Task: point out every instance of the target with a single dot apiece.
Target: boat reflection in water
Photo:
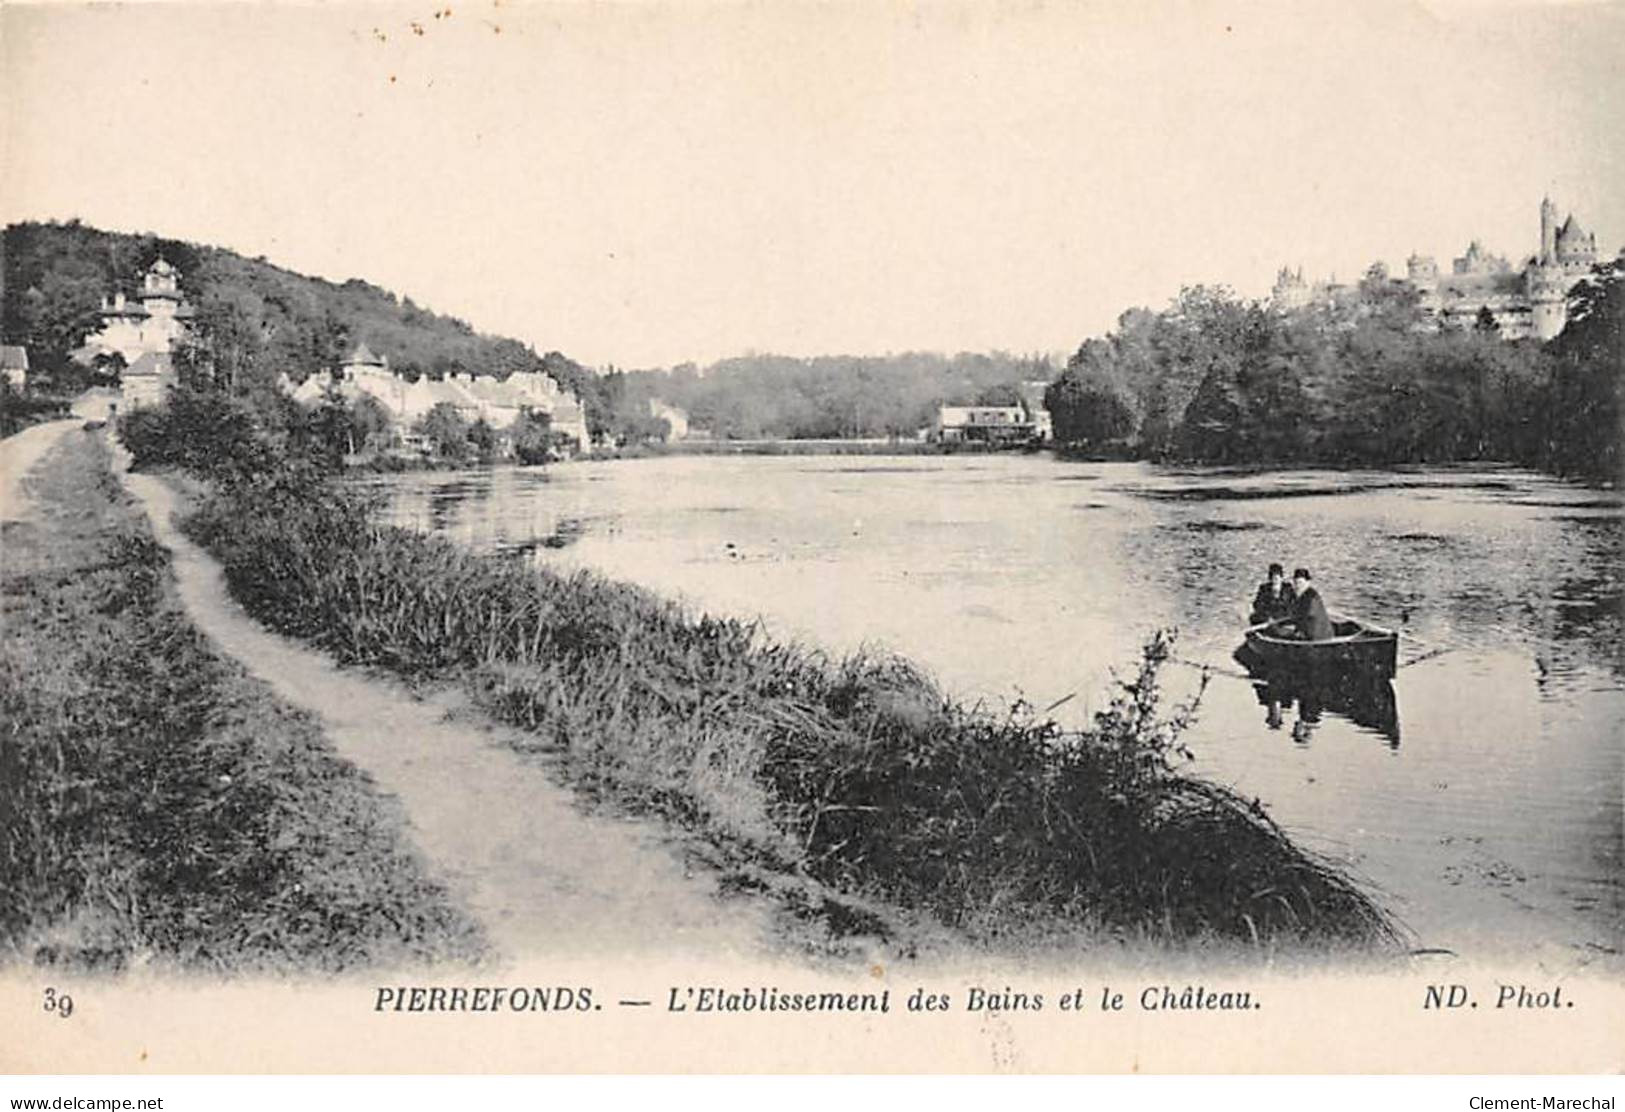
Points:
(1365, 700)
(1350, 674)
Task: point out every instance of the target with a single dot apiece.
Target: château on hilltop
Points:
(1530, 300)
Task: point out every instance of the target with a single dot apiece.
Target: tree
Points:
(446, 431)
(227, 338)
(482, 438)
(1088, 412)
(1586, 412)
(999, 394)
(330, 431)
(645, 430)
(374, 429)
(1214, 424)
(532, 436)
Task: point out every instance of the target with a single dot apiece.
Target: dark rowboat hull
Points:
(1359, 650)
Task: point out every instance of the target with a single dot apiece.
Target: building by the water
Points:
(498, 402)
(1527, 300)
(982, 424)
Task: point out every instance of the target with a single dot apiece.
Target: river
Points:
(1486, 813)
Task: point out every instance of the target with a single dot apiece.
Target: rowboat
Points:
(1358, 649)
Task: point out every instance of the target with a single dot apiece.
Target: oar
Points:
(1433, 648)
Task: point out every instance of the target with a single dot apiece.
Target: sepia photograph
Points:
(854, 537)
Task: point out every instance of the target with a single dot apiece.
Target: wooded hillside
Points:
(254, 319)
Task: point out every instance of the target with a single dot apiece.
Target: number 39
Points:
(59, 1003)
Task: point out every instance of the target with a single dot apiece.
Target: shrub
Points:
(19, 409)
(202, 431)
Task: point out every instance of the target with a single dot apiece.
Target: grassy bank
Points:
(850, 776)
(156, 803)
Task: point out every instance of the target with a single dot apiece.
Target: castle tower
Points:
(1422, 271)
(362, 361)
(1547, 288)
(161, 282)
(161, 298)
(1576, 248)
(1290, 290)
(1548, 232)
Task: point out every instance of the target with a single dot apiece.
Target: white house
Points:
(676, 419)
(982, 424)
(14, 365)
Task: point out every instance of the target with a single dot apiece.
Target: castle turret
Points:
(1547, 289)
(161, 282)
(1422, 271)
(1548, 231)
(1576, 248)
(362, 361)
(1290, 290)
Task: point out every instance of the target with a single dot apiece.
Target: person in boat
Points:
(1310, 622)
(1275, 600)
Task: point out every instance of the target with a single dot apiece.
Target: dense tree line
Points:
(1217, 379)
(829, 397)
(254, 320)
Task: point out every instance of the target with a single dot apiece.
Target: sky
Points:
(646, 184)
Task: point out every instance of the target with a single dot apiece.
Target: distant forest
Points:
(829, 397)
(1216, 379)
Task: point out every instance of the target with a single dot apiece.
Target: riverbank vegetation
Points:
(157, 805)
(852, 787)
(1216, 379)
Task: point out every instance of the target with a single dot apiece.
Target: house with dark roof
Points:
(147, 380)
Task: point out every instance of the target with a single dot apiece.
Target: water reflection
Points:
(1367, 703)
(565, 533)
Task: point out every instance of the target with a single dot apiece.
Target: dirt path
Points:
(18, 455)
(544, 879)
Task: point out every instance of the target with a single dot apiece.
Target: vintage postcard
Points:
(812, 537)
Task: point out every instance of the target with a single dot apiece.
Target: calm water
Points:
(1488, 810)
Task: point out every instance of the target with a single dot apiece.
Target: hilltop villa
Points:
(1530, 300)
(498, 402)
(143, 334)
